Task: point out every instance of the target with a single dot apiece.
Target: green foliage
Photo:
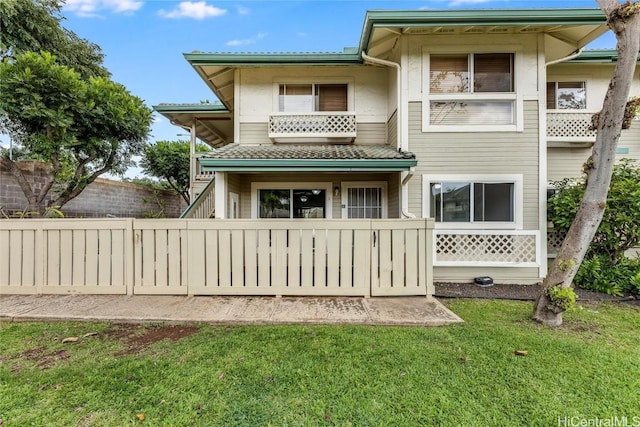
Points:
(562, 298)
(620, 227)
(605, 267)
(169, 160)
(325, 375)
(82, 127)
(598, 273)
(34, 26)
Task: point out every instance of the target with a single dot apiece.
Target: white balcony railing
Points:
(324, 124)
(570, 126)
(199, 173)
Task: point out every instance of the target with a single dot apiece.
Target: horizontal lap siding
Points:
(500, 275)
(477, 153)
(335, 179)
(565, 162)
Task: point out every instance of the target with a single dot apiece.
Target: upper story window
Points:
(471, 73)
(566, 95)
(302, 98)
(470, 92)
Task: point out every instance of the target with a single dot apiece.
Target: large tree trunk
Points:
(624, 20)
(35, 198)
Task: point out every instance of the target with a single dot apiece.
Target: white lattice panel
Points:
(569, 125)
(313, 124)
(478, 248)
(554, 241)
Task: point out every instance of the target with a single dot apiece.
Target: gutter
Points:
(402, 144)
(566, 58)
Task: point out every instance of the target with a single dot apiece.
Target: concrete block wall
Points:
(101, 198)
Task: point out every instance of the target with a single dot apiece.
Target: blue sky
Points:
(143, 41)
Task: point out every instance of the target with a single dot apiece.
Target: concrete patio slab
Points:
(418, 311)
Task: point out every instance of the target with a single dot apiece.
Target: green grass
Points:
(464, 374)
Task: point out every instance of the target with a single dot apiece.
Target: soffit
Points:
(213, 122)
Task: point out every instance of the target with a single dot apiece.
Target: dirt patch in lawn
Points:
(137, 338)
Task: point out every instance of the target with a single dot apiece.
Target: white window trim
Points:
(255, 186)
(516, 96)
(362, 184)
(349, 81)
(569, 80)
(516, 179)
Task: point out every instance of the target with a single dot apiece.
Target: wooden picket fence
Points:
(216, 257)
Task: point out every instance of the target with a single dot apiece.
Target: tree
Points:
(624, 21)
(34, 26)
(82, 128)
(169, 160)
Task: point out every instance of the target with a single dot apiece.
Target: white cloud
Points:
(195, 10)
(243, 10)
(92, 8)
(250, 40)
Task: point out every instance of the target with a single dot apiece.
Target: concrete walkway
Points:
(416, 311)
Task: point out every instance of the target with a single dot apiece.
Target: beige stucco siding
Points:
(565, 162)
(368, 89)
(476, 154)
(596, 78)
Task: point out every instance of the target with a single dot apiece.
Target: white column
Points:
(192, 159)
(221, 195)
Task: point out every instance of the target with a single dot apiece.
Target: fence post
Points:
(129, 255)
(40, 264)
(429, 251)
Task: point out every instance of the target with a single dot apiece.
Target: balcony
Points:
(322, 126)
(569, 126)
(198, 173)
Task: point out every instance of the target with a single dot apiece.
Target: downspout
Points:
(401, 143)
(566, 58)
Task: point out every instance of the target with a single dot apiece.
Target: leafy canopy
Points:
(82, 127)
(169, 160)
(35, 25)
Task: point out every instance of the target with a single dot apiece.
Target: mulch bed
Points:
(511, 291)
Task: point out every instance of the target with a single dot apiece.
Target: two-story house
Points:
(463, 116)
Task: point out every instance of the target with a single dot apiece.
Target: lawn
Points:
(464, 374)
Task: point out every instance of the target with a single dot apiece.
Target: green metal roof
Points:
(191, 108)
(348, 57)
(319, 158)
(598, 56)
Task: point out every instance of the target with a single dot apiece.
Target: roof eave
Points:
(308, 165)
(477, 17)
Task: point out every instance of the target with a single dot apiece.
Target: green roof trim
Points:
(349, 57)
(308, 165)
(477, 17)
(597, 56)
(190, 108)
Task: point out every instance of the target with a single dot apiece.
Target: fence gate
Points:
(400, 258)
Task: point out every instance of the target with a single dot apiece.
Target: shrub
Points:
(599, 274)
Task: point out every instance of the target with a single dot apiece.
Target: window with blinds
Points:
(566, 95)
(313, 97)
(487, 79)
(486, 72)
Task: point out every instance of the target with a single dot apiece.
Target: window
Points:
(291, 200)
(566, 95)
(487, 72)
(484, 201)
(476, 89)
(312, 97)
